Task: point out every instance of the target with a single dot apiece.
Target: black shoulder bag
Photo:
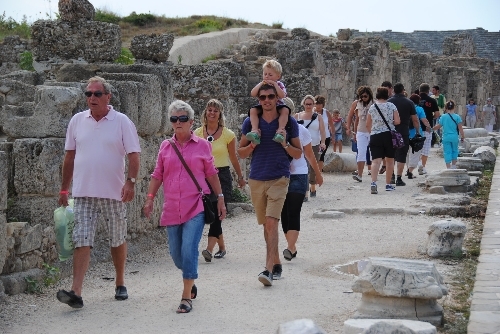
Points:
(454, 122)
(207, 205)
(397, 139)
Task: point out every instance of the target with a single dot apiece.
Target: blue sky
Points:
(324, 17)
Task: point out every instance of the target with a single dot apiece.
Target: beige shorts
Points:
(87, 211)
(268, 197)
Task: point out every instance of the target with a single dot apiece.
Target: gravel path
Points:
(230, 298)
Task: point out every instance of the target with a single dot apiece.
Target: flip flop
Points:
(183, 308)
(207, 255)
(288, 255)
(220, 254)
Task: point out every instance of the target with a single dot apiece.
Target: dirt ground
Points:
(230, 298)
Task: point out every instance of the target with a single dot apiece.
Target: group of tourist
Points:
(287, 152)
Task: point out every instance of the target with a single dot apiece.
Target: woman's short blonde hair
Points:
(307, 97)
(214, 103)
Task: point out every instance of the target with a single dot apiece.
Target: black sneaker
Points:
(400, 182)
(70, 298)
(266, 278)
(121, 293)
(277, 270)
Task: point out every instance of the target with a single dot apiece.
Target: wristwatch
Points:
(131, 179)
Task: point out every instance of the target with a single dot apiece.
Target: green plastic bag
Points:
(64, 219)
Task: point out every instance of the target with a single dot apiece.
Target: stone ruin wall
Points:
(37, 106)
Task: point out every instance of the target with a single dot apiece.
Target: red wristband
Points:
(64, 192)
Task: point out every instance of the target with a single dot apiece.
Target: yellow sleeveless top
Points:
(219, 146)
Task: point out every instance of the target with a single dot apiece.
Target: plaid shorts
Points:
(87, 211)
(427, 143)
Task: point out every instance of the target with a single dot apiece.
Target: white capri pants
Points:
(363, 139)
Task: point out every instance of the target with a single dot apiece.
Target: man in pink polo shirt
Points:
(97, 141)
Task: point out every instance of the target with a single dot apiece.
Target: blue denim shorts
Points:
(298, 183)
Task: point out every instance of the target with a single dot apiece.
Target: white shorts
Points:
(363, 140)
(427, 144)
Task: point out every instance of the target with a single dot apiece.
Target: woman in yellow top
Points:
(223, 143)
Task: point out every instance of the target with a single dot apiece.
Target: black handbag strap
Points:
(381, 115)
(313, 117)
(185, 165)
(454, 121)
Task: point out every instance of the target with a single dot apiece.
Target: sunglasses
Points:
(96, 93)
(182, 119)
(270, 97)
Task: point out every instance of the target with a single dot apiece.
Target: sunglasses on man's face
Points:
(270, 97)
(182, 119)
(96, 94)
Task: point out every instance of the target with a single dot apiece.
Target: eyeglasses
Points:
(270, 97)
(364, 96)
(182, 119)
(96, 94)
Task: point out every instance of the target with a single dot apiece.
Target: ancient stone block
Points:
(34, 209)
(26, 77)
(445, 237)
(76, 10)
(148, 100)
(470, 164)
(300, 33)
(152, 47)
(340, 162)
(38, 165)
(379, 326)
(53, 108)
(77, 72)
(15, 284)
(302, 326)
(397, 288)
(30, 240)
(447, 177)
(11, 49)
(4, 180)
(15, 92)
(459, 45)
(487, 155)
(91, 40)
(3, 241)
(393, 277)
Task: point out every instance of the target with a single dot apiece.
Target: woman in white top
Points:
(328, 122)
(316, 128)
(380, 136)
(297, 188)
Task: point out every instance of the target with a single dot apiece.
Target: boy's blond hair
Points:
(273, 64)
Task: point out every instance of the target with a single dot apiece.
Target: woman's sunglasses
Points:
(182, 119)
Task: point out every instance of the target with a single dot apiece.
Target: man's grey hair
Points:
(179, 105)
(102, 81)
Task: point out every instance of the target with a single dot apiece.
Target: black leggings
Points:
(290, 214)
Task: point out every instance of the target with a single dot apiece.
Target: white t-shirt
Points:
(299, 166)
(101, 147)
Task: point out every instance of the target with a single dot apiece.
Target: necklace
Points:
(210, 137)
